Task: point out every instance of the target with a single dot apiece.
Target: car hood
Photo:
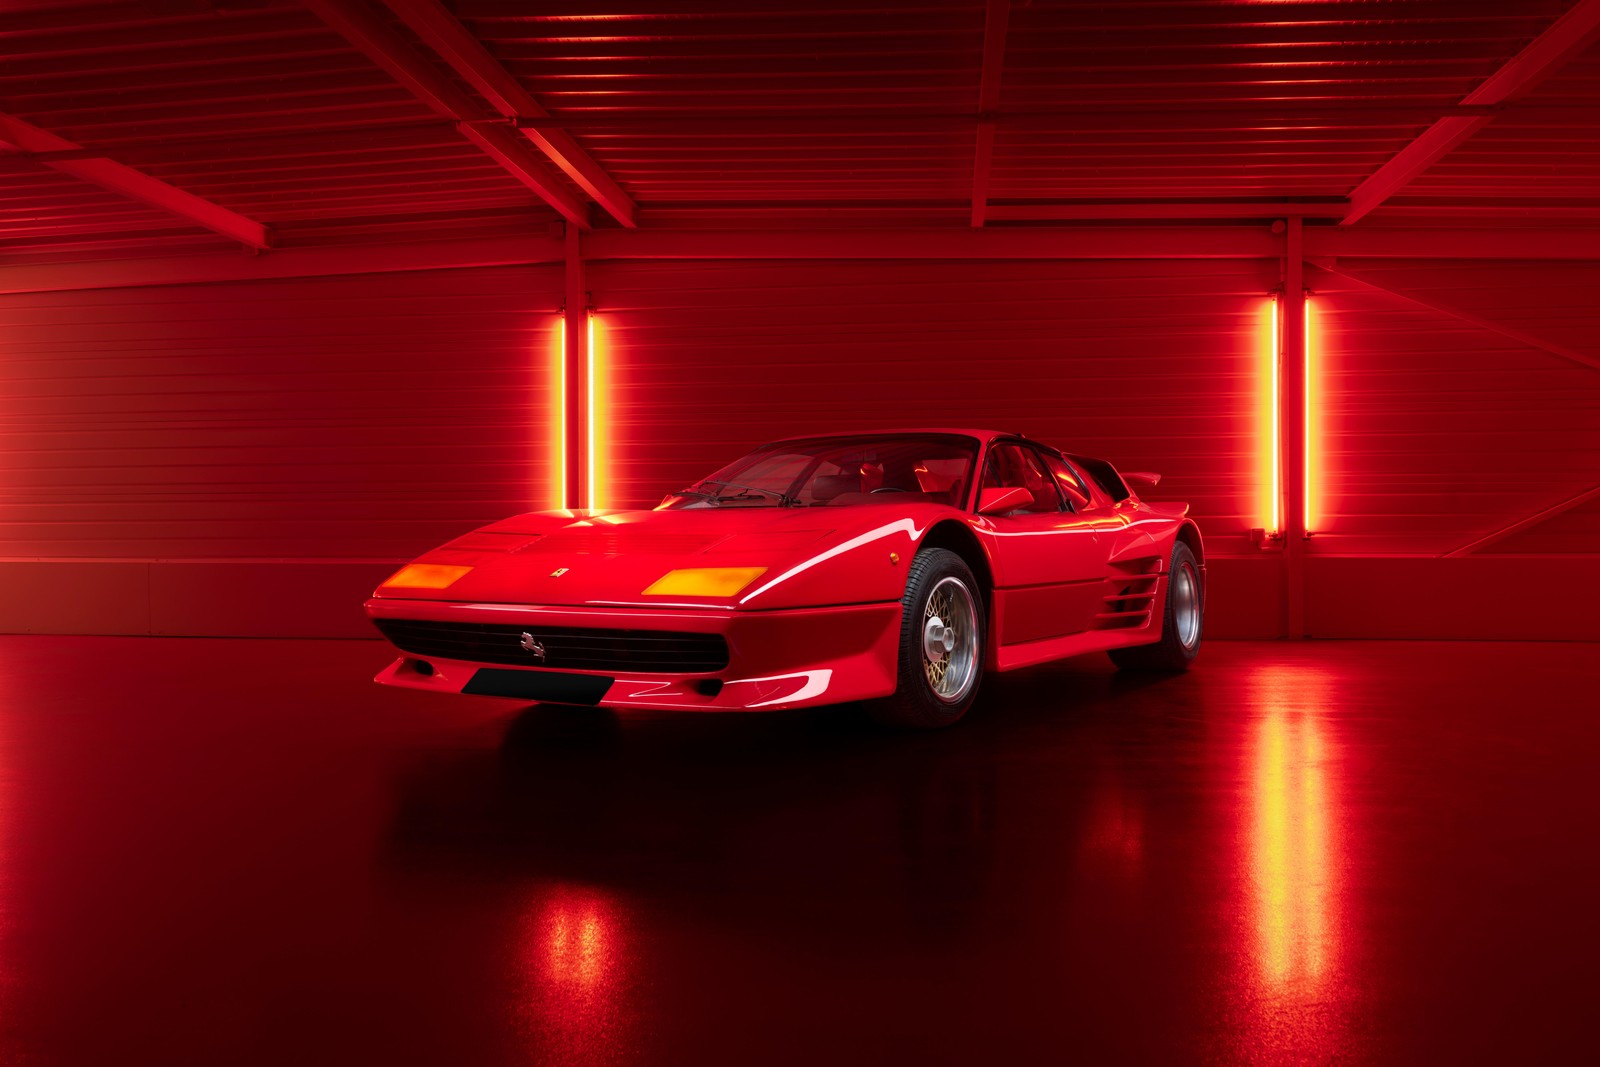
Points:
(609, 558)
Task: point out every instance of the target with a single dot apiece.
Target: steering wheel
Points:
(888, 489)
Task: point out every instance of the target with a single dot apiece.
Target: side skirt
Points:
(1013, 657)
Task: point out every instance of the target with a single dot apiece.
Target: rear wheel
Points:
(1181, 622)
(941, 644)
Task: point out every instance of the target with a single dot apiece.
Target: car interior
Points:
(863, 479)
(1010, 466)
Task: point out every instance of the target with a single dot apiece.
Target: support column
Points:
(575, 402)
(1292, 419)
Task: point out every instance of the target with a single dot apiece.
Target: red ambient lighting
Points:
(1269, 411)
(1313, 432)
(1270, 507)
(593, 461)
(557, 449)
(581, 402)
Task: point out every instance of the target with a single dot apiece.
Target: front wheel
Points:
(1181, 622)
(941, 644)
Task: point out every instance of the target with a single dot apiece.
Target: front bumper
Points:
(776, 659)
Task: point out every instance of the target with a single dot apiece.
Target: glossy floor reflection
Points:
(243, 852)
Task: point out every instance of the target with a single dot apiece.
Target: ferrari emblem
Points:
(532, 644)
(558, 572)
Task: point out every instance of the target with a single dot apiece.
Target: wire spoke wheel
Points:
(939, 658)
(950, 640)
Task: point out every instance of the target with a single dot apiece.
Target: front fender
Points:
(864, 562)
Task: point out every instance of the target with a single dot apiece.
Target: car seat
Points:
(826, 487)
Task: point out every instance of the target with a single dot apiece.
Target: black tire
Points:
(1171, 653)
(916, 704)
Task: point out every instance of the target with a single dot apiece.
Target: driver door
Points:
(1049, 565)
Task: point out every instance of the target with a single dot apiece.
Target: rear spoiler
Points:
(1120, 485)
(1139, 481)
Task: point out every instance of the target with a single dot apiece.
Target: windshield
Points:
(839, 472)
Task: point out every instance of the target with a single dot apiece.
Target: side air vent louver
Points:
(1134, 593)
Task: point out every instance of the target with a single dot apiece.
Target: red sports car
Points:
(893, 568)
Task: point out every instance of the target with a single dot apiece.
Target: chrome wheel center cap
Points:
(938, 640)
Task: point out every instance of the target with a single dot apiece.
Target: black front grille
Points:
(566, 648)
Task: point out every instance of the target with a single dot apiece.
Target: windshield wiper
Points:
(782, 498)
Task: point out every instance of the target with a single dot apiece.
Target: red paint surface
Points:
(821, 624)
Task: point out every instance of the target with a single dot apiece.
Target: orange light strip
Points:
(1270, 474)
(558, 402)
(1277, 419)
(704, 581)
(592, 457)
(1313, 433)
(424, 576)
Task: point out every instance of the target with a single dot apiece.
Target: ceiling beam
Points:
(60, 154)
(996, 18)
(374, 38)
(1543, 56)
(1025, 243)
(1425, 242)
(1113, 210)
(284, 263)
(1096, 242)
(442, 32)
(1093, 242)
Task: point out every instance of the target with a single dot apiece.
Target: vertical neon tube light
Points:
(585, 409)
(559, 403)
(1313, 432)
(1277, 419)
(591, 458)
(1270, 471)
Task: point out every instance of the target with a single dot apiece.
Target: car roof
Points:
(980, 435)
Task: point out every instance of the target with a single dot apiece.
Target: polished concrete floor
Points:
(229, 851)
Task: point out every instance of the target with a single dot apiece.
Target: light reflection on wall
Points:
(574, 962)
(1292, 860)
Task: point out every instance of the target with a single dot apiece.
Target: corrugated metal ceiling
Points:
(832, 111)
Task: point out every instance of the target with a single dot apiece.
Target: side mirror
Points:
(998, 501)
(1140, 481)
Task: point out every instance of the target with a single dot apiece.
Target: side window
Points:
(1106, 475)
(1072, 488)
(1012, 466)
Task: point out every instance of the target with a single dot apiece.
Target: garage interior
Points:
(292, 291)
